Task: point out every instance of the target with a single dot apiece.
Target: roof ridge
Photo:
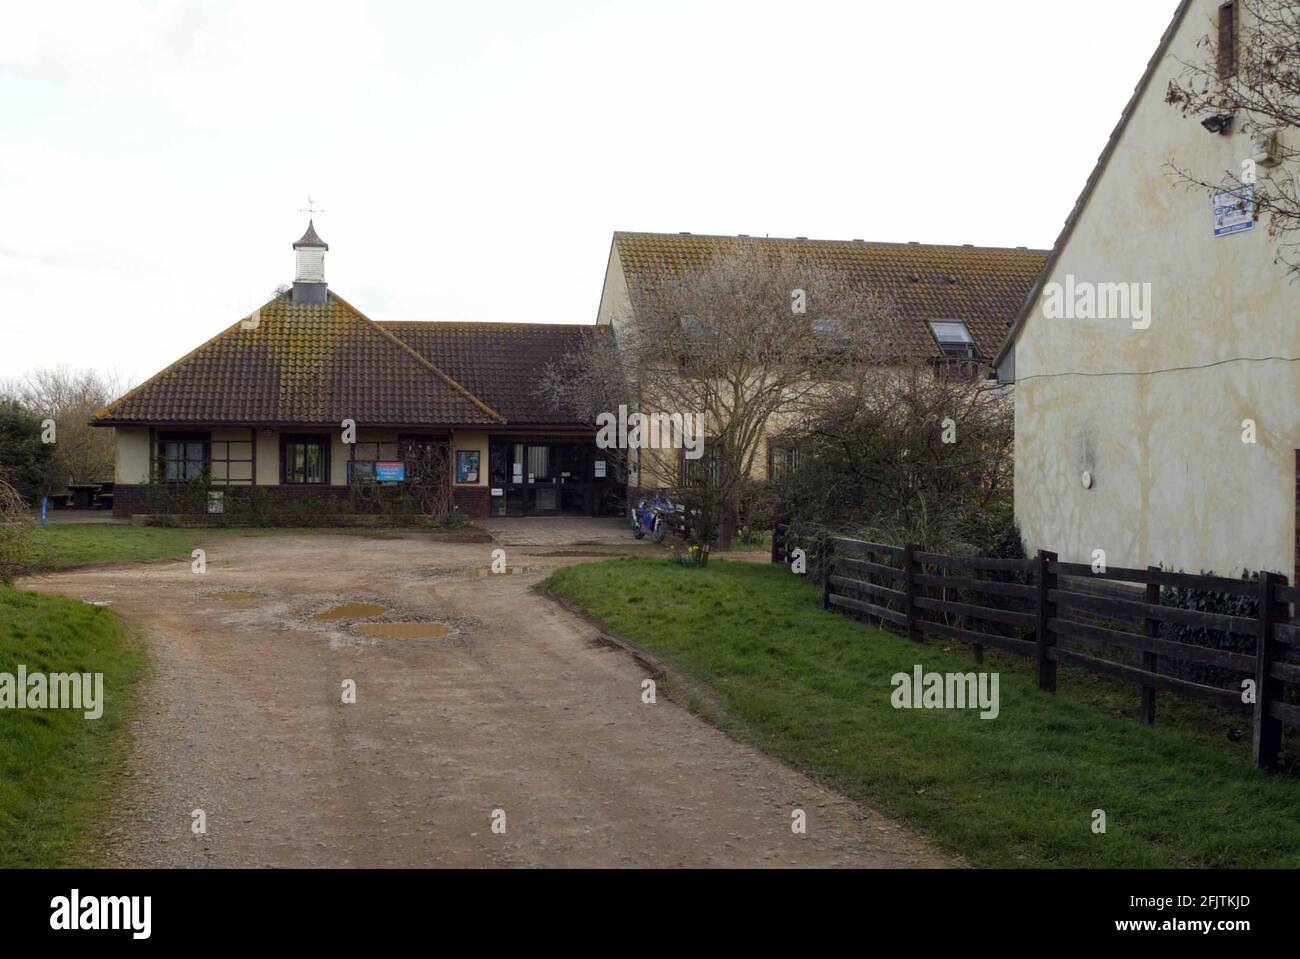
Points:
(904, 244)
(422, 359)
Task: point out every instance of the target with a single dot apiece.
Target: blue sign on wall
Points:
(390, 472)
(1234, 211)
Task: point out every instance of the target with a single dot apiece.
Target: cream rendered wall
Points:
(615, 301)
(131, 462)
(268, 457)
(1173, 482)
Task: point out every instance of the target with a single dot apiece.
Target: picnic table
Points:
(83, 494)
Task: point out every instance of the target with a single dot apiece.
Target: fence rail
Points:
(1041, 608)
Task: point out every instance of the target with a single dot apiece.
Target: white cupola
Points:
(309, 268)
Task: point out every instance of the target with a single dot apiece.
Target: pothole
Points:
(415, 630)
(352, 611)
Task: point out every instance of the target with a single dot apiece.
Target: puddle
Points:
(233, 597)
(508, 571)
(404, 630)
(352, 611)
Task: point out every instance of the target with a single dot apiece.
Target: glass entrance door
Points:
(544, 477)
(543, 492)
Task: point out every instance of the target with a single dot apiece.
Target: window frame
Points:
(688, 470)
(788, 455)
(1227, 52)
(296, 439)
(184, 438)
(228, 460)
(953, 349)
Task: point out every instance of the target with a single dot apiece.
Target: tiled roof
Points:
(302, 364)
(984, 286)
(500, 363)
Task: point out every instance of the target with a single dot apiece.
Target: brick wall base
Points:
(473, 501)
(129, 500)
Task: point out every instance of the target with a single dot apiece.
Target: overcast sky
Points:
(472, 159)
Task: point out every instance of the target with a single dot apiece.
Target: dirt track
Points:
(517, 709)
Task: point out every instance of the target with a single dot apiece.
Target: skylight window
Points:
(953, 337)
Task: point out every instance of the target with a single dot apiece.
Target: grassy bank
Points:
(67, 546)
(56, 766)
(749, 646)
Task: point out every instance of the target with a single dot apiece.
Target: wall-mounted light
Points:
(1218, 123)
(1087, 479)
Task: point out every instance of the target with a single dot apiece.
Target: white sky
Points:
(473, 159)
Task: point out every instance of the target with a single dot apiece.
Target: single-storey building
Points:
(308, 397)
(1157, 363)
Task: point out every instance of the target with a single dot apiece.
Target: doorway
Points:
(545, 477)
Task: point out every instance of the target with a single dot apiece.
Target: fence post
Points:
(1150, 661)
(1046, 580)
(828, 567)
(776, 533)
(1267, 737)
(909, 587)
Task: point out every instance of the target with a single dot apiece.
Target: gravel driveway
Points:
(518, 708)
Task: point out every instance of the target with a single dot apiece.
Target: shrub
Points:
(17, 546)
(24, 459)
(1208, 601)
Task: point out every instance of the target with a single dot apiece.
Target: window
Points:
(539, 464)
(361, 467)
(181, 457)
(701, 472)
(954, 338)
(1227, 46)
(231, 462)
(304, 459)
(783, 461)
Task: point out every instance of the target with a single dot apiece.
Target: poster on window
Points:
(467, 466)
(600, 469)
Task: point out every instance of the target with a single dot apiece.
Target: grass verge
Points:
(56, 766)
(70, 545)
(74, 545)
(749, 647)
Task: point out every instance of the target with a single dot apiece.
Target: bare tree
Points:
(742, 340)
(82, 453)
(17, 548)
(1249, 77)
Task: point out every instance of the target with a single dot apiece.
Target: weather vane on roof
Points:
(310, 208)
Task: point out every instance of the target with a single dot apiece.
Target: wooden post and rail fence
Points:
(1043, 608)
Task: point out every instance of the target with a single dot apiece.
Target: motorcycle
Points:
(649, 519)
